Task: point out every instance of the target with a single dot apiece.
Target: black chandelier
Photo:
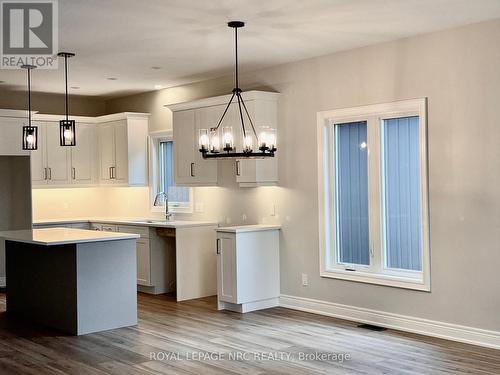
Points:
(30, 132)
(212, 145)
(67, 131)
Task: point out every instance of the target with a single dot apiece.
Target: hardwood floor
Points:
(196, 328)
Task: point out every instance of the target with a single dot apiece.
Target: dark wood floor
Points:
(173, 331)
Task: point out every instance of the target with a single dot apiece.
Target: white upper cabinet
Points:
(11, 125)
(191, 169)
(123, 149)
(53, 165)
(82, 155)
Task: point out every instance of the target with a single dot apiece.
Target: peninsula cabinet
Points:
(188, 117)
(248, 276)
(123, 149)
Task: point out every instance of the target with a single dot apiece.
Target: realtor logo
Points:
(29, 33)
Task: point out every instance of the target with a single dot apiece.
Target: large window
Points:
(162, 177)
(373, 195)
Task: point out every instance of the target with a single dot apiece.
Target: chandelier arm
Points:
(241, 116)
(225, 111)
(248, 115)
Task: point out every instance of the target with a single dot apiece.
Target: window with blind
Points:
(373, 200)
(177, 196)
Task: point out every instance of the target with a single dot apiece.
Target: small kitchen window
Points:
(162, 176)
(373, 194)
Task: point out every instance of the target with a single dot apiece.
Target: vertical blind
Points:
(167, 184)
(351, 193)
(401, 190)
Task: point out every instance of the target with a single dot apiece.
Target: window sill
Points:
(377, 279)
(174, 210)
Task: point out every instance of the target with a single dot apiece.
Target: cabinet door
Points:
(205, 171)
(143, 262)
(38, 162)
(106, 150)
(226, 268)
(10, 139)
(184, 145)
(58, 157)
(82, 155)
(120, 173)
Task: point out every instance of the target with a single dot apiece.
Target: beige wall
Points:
(51, 103)
(458, 70)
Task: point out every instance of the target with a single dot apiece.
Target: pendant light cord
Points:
(29, 97)
(66, 79)
(236, 54)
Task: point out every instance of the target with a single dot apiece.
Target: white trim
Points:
(16, 113)
(2, 282)
(375, 273)
(57, 118)
(120, 116)
(455, 332)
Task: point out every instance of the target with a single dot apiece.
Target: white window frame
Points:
(154, 177)
(376, 272)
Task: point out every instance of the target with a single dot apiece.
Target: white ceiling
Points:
(189, 39)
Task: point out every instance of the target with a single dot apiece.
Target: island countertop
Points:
(63, 236)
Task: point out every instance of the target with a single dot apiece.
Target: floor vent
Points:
(372, 327)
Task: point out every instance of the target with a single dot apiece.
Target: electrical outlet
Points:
(305, 279)
(244, 217)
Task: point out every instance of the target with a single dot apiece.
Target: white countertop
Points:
(248, 228)
(149, 222)
(63, 236)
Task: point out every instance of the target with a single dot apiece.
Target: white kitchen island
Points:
(78, 281)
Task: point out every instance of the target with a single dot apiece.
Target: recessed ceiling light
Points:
(112, 78)
(158, 87)
(156, 67)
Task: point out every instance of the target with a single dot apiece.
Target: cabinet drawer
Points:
(142, 231)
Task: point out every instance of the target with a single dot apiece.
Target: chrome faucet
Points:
(160, 200)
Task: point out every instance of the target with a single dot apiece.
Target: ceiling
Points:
(143, 44)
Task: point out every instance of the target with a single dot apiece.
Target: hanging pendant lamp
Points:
(67, 130)
(212, 144)
(30, 132)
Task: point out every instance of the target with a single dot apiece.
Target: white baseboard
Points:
(455, 332)
(2, 282)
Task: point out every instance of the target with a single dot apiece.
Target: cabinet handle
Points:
(238, 171)
(50, 173)
(73, 173)
(218, 245)
(192, 169)
(45, 173)
(113, 174)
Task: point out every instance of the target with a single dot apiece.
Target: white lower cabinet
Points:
(143, 262)
(248, 275)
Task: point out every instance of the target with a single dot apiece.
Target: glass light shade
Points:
(227, 138)
(263, 138)
(247, 143)
(67, 132)
(30, 137)
(214, 141)
(271, 139)
(203, 140)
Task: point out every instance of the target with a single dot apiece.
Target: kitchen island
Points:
(77, 281)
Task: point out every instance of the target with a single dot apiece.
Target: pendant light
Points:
(67, 131)
(30, 132)
(213, 144)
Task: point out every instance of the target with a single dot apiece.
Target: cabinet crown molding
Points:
(16, 113)
(223, 99)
